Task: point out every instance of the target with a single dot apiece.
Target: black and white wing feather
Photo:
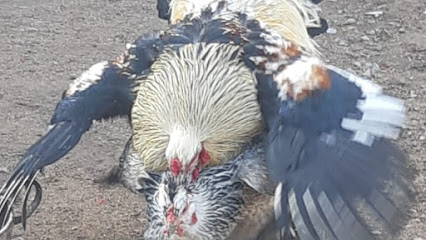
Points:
(328, 147)
(103, 91)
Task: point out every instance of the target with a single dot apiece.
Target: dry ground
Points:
(45, 43)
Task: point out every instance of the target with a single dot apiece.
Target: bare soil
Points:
(45, 43)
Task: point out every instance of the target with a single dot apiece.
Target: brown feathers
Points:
(256, 215)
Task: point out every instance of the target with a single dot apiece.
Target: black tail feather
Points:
(51, 147)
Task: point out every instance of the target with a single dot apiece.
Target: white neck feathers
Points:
(184, 144)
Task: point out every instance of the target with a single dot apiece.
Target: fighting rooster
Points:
(200, 92)
(168, 130)
(234, 201)
(212, 206)
(326, 130)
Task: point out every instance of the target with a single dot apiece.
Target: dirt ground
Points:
(45, 43)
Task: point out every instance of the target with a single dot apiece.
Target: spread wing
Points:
(103, 91)
(343, 180)
(328, 147)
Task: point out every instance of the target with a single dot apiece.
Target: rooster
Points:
(200, 92)
(127, 87)
(210, 207)
(325, 145)
(235, 201)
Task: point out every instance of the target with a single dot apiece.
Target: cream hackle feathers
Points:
(199, 96)
(287, 18)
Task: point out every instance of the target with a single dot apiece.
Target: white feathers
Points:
(87, 78)
(295, 71)
(297, 77)
(287, 18)
(184, 143)
(50, 127)
(294, 78)
(365, 131)
(382, 108)
(383, 116)
(277, 201)
(163, 197)
(130, 46)
(180, 199)
(309, 12)
(367, 87)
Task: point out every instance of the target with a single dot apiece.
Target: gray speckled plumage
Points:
(229, 200)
